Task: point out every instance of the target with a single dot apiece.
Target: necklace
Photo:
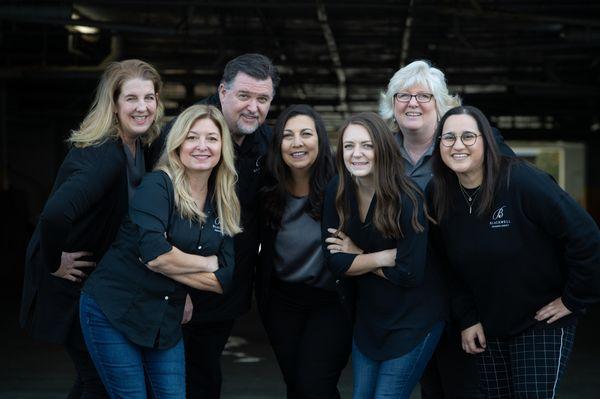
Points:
(469, 198)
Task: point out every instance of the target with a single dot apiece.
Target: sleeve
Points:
(554, 211)
(226, 264)
(337, 263)
(95, 170)
(150, 211)
(411, 250)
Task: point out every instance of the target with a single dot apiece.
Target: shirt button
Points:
(199, 246)
(166, 297)
(337, 281)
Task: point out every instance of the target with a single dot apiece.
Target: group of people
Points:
(423, 248)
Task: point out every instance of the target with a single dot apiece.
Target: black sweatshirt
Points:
(537, 245)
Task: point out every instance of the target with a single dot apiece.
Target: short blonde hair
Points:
(225, 178)
(101, 123)
(422, 73)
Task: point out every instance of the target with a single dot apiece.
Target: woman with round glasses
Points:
(524, 257)
(413, 103)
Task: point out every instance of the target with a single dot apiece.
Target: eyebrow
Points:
(464, 131)
(242, 91)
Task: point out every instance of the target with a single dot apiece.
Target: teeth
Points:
(459, 156)
(413, 114)
(298, 154)
(139, 118)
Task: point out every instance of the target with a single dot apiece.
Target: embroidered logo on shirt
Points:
(257, 164)
(216, 226)
(498, 218)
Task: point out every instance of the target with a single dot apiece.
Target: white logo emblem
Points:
(217, 225)
(257, 164)
(498, 219)
(498, 213)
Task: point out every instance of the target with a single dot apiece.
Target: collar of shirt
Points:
(428, 153)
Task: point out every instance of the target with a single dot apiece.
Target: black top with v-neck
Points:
(393, 314)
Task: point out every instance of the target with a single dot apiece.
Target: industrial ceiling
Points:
(533, 66)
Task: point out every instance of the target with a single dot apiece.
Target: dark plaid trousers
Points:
(527, 366)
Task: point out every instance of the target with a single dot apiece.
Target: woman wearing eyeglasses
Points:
(524, 257)
(413, 103)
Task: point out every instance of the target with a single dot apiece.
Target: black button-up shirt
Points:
(145, 306)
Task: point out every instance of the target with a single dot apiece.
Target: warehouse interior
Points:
(532, 66)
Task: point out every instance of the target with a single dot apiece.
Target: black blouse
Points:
(393, 314)
(145, 306)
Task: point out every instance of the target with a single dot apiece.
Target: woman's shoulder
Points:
(522, 174)
(109, 150)
(157, 177)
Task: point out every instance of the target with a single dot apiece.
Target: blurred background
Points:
(532, 66)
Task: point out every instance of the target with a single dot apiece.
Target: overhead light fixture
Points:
(83, 29)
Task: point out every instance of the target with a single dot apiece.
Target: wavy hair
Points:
(444, 177)
(100, 124)
(320, 172)
(391, 184)
(422, 73)
(222, 180)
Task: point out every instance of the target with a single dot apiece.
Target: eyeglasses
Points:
(467, 138)
(406, 97)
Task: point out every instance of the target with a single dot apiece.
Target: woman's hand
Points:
(473, 339)
(187, 310)
(340, 242)
(552, 311)
(387, 257)
(69, 263)
(212, 263)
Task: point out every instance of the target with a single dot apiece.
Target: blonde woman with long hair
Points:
(86, 207)
(179, 234)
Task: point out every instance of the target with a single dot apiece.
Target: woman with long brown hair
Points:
(378, 227)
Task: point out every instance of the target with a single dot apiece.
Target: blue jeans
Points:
(393, 378)
(127, 369)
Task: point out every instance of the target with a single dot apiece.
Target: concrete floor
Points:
(33, 370)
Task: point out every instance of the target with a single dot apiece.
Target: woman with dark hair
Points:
(308, 329)
(399, 306)
(178, 234)
(86, 207)
(522, 254)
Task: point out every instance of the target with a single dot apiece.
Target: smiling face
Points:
(414, 117)
(465, 161)
(299, 143)
(359, 153)
(136, 107)
(246, 103)
(201, 149)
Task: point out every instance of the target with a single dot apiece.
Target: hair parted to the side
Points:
(100, 124)
(444, 177)
(422, 73)
(391, 184)
(222, 179)
(257, 66)
(320, 172)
